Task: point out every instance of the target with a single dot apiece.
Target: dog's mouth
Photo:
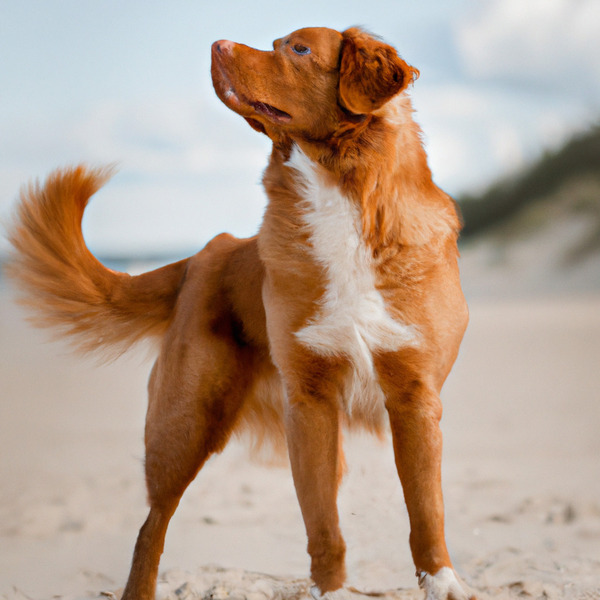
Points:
(236, 101)
(239, 102)
(271, 112)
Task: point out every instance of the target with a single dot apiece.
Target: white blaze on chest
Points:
(352, 319)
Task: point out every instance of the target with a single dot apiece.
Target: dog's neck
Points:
(380, 164)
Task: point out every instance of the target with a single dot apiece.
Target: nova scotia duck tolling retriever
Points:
(345, 310)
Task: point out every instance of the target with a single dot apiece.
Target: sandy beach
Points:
(521, 474)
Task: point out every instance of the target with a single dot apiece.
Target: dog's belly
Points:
(352, 319)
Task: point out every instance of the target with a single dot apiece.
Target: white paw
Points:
(340, 594)
(444, 585)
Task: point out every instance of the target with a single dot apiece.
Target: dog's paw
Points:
(444, 585)
(340, 594)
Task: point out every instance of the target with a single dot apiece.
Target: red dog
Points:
(345, 307)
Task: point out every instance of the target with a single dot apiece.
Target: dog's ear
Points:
(371, 72)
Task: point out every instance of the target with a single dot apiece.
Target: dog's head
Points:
(313, 81)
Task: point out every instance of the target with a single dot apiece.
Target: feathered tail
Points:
(67, 286)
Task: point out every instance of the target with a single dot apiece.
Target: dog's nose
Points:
(223, 46)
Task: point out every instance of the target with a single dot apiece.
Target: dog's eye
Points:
(300, 49)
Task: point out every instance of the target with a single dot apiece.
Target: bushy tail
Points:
(67, 286)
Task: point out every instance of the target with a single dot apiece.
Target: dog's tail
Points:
(68, 287)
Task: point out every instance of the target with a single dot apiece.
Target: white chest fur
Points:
(352, 319)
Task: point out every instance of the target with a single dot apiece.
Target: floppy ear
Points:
(371, 72)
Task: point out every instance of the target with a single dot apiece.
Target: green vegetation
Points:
(569, 176)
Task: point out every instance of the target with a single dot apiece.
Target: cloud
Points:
(548, 43)
(467, 143)
(530, 78)
(479, 132)
(185, 171)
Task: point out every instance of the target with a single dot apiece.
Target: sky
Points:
(128, 82)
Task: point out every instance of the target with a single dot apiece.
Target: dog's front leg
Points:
(314, 447)
(417, 438)
(415, 410)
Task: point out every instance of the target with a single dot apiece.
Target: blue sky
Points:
(129, 82)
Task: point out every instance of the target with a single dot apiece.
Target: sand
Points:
(521, 475)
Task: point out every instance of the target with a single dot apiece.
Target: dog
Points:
(344, 310)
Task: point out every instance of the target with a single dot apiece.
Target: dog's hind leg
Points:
(196, 390)
(183, 429)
